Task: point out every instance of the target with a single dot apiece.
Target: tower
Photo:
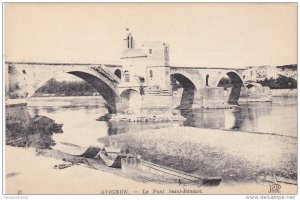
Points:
(130, 43)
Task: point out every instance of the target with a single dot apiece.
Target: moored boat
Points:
(90, 152)
(139, 167)
(111, 158)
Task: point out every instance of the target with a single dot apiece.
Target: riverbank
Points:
(28, 173)
(235, 156)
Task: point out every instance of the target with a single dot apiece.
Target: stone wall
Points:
(146, 104)
(212, 96)
(153, 104)
(255, 94)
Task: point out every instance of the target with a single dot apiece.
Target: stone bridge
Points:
(24, 79)
(200, 85)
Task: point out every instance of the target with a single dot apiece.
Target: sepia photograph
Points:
(150, 99)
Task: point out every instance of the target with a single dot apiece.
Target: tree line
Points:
(82, 88)
(64, 88)
(281, 82)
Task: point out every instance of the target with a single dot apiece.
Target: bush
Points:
(281, 82)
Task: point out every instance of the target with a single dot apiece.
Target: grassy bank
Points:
(236, 156)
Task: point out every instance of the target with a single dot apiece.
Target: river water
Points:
(81, 127)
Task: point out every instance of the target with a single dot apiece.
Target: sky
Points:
(199, 34)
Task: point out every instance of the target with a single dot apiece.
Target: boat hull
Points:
(145, 169)
(112, 159)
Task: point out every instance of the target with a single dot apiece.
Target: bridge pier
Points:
(145, 104)
(213, 97)
(197, 100)
(207, 97)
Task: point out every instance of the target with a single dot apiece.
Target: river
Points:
(81, 127)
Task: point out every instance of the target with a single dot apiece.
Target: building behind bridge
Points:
(146, 66)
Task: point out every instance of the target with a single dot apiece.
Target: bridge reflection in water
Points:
(243, 117)
(125, 127)
(278, 117)
(81, 127)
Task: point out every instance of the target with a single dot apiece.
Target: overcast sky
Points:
(209, 35)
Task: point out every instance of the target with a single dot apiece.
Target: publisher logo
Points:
(274, 188)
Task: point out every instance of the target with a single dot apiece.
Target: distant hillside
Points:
(292, 67)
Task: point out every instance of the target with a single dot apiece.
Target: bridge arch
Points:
(190, 90)
(106, 88)
(236, 83)
(118, 73)
(130, 98)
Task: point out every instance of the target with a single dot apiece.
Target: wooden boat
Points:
(90, 152)
(111, 158)
(77, 151)
(139, 167)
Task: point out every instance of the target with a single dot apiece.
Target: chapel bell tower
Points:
(130, 44)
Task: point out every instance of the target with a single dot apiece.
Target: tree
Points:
(281, 82)
(66, 88)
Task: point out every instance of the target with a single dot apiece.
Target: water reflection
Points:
(244, 117)
(240, 118)
(252, 117)
(285, 100)
(279, 117)
(123, 127)
(82, 128)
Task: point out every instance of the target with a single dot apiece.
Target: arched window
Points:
(142, 79)
(126, 76)
(150, 51)
(151, 73)
(118, 73)
(207, 76)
